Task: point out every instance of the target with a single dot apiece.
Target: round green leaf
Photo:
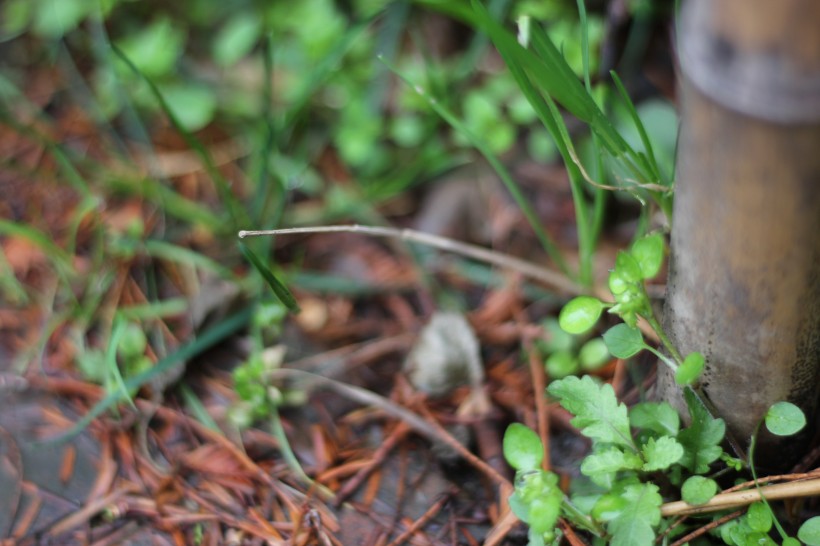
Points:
(544, 513)
(698, 490)
(194, 106)
(809, 532)
(155, 48)
(628, 268)
(608, 507)
(556, 338)
(688, 372)
(133, 342)
(593, 354)
(522, 447)
(785, 419)
(580, 314)
(236, 38)
(561, 364)
(759, 517)
(648, 252)
(790, 541)
(624, 341)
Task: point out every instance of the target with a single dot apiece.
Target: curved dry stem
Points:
(549, 277)
(429, 429)
(736, 499)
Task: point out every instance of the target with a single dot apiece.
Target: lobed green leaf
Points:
(701, 440)
(601, 466)
(597, 412)
(659, 417)
(634, 526)
(661, 453)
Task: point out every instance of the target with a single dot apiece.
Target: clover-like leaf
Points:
(785, 419)
(623, 341)
(698, 490)
(580, 314)
(522, 447)
(561, 364)
(597, 412)
(593, 354)
(689, 372)
(661, 453)
(809, 532)
(628, 268)
(648, 252)
(759, 517)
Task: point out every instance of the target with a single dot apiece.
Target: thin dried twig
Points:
(708, 527)
(429, 429)
(635, 183)
(541, 408)
(539, 273)
(429, 514)
(735, 499)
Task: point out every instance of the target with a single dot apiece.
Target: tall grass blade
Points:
(529, 213)
(111, 362)
(633, 112)
(235, 210)
(279, 289)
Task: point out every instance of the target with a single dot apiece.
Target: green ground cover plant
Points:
(145, 65)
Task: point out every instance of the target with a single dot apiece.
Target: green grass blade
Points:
(265, 182)
(187, 351)
(198, 410)
(154, 310)
(111, 362)
(546, 241)
(235, 210)
(279, 289)
(319, 75)
(57, 255)
(633, 112)
(181, 255)
(582, 18)
(168, 200)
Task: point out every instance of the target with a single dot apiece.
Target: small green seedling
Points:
(537, 497)
(631, 302)
(630, 450)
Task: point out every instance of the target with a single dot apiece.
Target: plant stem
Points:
(752, 445)
(582, 520)
(665, 359)
(549, 277)
(290, 457)
(662, 336)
